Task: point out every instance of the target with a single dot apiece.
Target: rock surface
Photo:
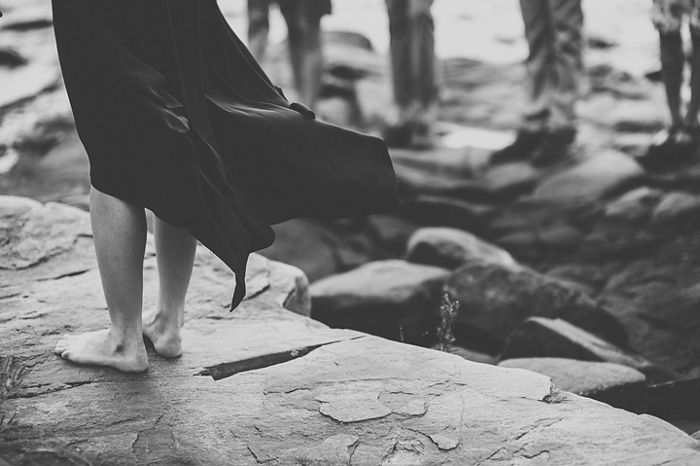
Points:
(393, 299)
(450, 248)
(496, 299)
(541, 337)
(265, 385)
(617, 385)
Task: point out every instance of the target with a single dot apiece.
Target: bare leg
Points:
(175, 249)
(672, 63)
(119, 231)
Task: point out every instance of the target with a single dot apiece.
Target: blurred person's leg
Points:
(303, 19)
(672, 64)
(691, 117)
(424, 71)
(671, 144)
(567, 21)
(413, 67)
(258, 27)
(540, 82)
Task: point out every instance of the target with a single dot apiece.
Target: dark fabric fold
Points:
(176, 116)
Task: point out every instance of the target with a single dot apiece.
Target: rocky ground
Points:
(591, 263)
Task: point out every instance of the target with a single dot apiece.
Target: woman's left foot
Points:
(164, 333)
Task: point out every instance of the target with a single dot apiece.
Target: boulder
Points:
(449, 211)
(676, 208)
(617, 385)
(390, 231)
(450, 248)
(540, 337)
(393, 299)
(655, 297)
(634, 208)
(496, 300)
(265, 385)
(508, 181)
(677, 399)
(592, 180)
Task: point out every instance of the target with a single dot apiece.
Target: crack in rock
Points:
(336, 450)
(54, 389)
(65, 275)
(227, 369)
(443, 442)
(403, 453)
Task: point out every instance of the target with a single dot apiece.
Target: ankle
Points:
(125, 341)
(173, 315)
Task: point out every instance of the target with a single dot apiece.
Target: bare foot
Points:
(102, 349)
(163, 329)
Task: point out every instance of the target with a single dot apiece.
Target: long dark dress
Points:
(176, 116)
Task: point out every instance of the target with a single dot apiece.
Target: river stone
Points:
(449, 211)
(591, 180)
(617, 385)
(677, 399)
(540, 337)
(393, 298)
(633, 208)
(496, 300)
(450, 248)
(676, 207)
(252, 387)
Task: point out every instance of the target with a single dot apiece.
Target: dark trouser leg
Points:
(258, 27)
(691, 117)
(304, 34)
(567, 19)
(672, 62)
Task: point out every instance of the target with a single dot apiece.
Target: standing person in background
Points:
(553, 29)
(303, 18)
(413, 62)
(676, 143)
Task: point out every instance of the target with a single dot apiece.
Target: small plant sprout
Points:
(448, 313)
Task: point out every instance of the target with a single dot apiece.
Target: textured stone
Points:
(496, 300)
(397, 403)
(656, 299)
(633, 208)
(540, 337)
(450, 248)
(442, 210)
(676, 399)
(394, 299)
(617, 385)
(591, 180)
(676, 207)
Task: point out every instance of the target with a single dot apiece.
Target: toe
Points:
(60, 347)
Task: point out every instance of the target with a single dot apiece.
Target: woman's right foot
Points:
(101, 348)
(164, 332)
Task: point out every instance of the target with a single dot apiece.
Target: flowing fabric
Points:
(176, 116)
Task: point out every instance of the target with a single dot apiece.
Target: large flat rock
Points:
(263, 385)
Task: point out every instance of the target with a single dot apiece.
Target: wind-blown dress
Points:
(177, 116)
